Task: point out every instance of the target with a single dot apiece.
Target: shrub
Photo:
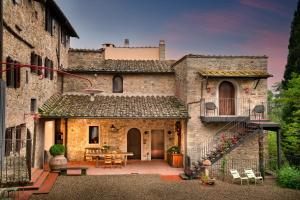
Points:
(57, 149)
(173, 149)
(289, 177)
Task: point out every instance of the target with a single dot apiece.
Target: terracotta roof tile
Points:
(127, 66)
(80, 106)
(236, 73)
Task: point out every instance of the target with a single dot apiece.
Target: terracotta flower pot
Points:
(57, 162)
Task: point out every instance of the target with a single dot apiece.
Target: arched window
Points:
(117, 84)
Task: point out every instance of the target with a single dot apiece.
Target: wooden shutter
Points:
(46, 63)
(17, 75)
(9, 72)
(34, 61)
(40, 64)
(51, 72)
(8, 141)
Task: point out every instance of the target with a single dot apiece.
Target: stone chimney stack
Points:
(126, 43)
(162, 50)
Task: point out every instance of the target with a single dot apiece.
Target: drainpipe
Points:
(2, 89)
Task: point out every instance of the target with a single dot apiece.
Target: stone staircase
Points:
(227, 139)
(41, 183)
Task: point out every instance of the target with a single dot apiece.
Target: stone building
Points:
(36, 33)
(147, 103)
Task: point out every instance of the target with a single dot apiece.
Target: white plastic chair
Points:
(236, 176)
(255, 176)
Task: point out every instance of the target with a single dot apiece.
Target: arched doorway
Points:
(134, 143)
(226, 98)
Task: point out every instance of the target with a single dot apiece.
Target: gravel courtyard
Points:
(140, 187)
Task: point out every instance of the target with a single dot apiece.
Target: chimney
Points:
(126, 42)
(105, 45)
(162, 50)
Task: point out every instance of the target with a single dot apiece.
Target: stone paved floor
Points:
(152, 187)
(132, 167)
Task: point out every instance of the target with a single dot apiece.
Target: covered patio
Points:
(144, 127)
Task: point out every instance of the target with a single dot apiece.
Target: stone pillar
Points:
(261, 153)
(278, 148)
(162, 50)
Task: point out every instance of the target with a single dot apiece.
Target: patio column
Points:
(278, 132)
(261, 152)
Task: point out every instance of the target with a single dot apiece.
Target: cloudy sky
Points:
(218, 27)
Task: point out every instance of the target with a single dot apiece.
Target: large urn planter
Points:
(174, 158)
(58, 159)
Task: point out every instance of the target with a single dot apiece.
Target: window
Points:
(13, 74)
(32, 105)
(117, 84)
(94, 135)
(16, 1)
(63, 37)
(48, 21)
(18, 139)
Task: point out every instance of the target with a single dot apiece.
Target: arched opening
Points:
(117, 84)
(226, 98)
(134, 143)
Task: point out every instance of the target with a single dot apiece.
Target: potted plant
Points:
(174, 157)
(58, 159)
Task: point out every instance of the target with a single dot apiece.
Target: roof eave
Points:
(62, 18)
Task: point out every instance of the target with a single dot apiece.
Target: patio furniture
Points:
(92, 152)
(108, 160)
(210, 106)
(260, 110)
(124, 154)
(118, 160)
(236, 176)
(253, 176)
(63, 171)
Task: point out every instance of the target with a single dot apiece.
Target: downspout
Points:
(2, 90)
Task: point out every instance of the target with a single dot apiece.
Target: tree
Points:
(293, 63)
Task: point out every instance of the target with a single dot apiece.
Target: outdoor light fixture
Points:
(92, 93)
(146, 132)
(169, 132)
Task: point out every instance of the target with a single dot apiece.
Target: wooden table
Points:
(97, 153)
(124, 154)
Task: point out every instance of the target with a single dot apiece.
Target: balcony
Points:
(232, 109)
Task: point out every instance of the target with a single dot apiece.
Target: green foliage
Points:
(272, 149)
(290, 99)
(293, 63)
(173, 149)
(57, 149)
(289, 177)
(223, 166)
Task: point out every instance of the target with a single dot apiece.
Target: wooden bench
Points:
(63, 171)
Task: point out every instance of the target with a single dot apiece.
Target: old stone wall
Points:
(85, 57)
(77, 135)
(192, 88)
(24, 33)
(133, 84)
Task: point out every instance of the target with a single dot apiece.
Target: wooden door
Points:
(226, 99)
(134, 143)
(157, 144)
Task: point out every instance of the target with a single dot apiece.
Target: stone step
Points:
(35, 175)
(37, 184)
(48, 184)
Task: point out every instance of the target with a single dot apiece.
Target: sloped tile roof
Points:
(80, 106)
(236, 73)
(127, 66)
